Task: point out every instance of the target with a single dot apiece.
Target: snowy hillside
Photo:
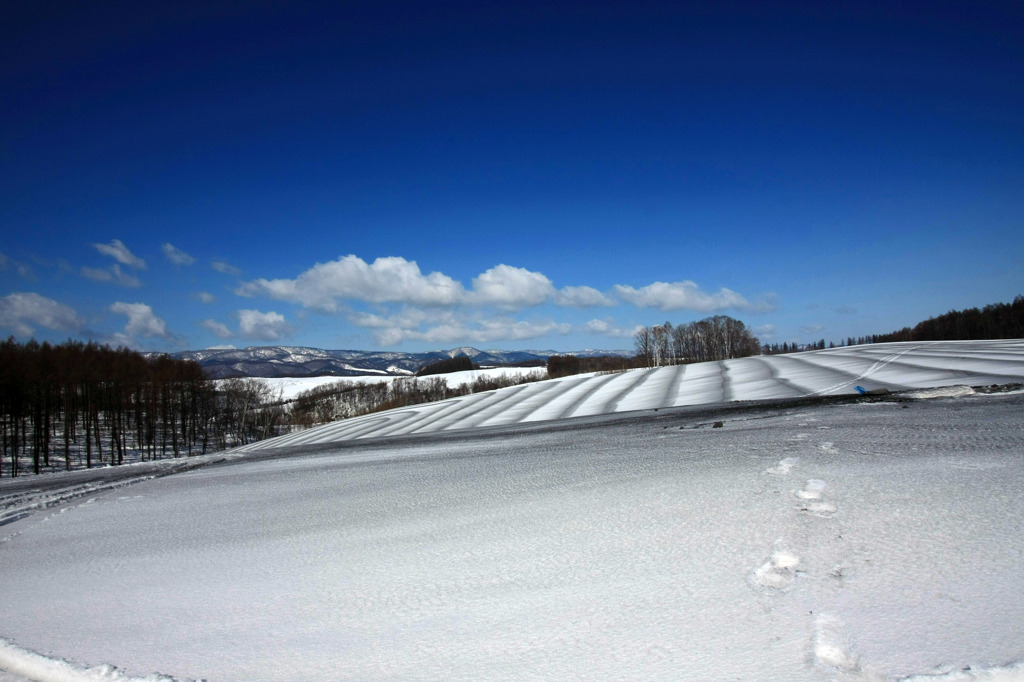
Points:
(803, 541)
(289, 387)
(893, 366)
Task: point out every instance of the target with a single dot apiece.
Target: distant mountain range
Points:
(294, 361)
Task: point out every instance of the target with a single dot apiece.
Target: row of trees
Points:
(714, 338)
(994, 321)
(78, 404)
(460, 363)
(567, 365)
(346, 399)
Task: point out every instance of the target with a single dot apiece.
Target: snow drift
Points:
(857, 541)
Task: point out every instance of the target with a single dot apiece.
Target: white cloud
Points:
(765, 332)
(114, 275)
(407, 318)
(607, 327)
(484, 331)
(225, 268)
(686, 295)
(511, 287)
(6, 263)
(386, 280)
(217, 329)
(119, 252)
(176, 255)
(22, 312)
(204, 297)
(263, 326)
(809, 329)
(582, 297)
(141, 320)
(394, 279)
(141, 323)
(452, 327)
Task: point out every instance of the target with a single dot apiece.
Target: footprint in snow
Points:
(783, 467)
(812, 499)
(778, 572)
(832, 646)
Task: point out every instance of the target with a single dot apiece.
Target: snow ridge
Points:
(33, 666)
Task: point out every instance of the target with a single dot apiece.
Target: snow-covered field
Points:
(893, 366)
(859, 541)
(290, 387)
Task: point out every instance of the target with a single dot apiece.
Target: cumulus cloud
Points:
(119, 252)
(142, 323)
(582, 297)
(176, 255)
(23, 312)
(141, 320)
(204, 297)
(484, 331)
(686, 295)
(113, 275)
(217, 329)
(394, 279)
(437, 308)
(386, 280)
(511, 287)
(452, 327)
(225, 268)
(607, 327)
(269, 326)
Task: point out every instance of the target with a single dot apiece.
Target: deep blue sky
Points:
(414, 175)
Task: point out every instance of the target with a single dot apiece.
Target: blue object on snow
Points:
(861, 390)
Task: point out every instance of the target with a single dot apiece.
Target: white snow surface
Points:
(290, 387)
(951, 365)
(863, 541)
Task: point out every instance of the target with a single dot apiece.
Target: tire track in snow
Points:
(773, 373)
(879, 365)
(849, 378)
(958, 373)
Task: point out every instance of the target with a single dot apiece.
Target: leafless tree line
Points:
(83, 405)
(346, 399)
(714, 338)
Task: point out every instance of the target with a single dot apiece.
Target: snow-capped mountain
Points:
(297, 361)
